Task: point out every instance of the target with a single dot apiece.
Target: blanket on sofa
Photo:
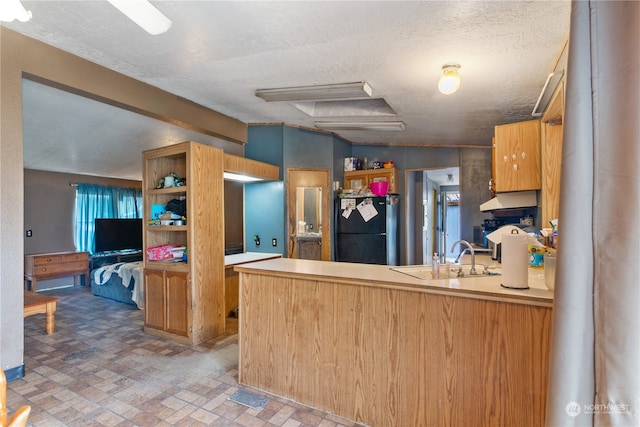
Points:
(126, 271)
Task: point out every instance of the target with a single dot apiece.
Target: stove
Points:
(480, 232)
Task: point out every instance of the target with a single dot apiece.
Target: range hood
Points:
(513, 200)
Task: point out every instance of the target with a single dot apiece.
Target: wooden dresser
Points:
(55, 265)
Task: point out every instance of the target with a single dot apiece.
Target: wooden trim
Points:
(46, 64)
(242, 165)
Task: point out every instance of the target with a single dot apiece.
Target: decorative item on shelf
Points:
(350, 164)
(377, 164)
(178, 251)
(388, 164)
(177, 207)
(169, 181)
(160, 252)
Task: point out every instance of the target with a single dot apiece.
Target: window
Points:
(99, 201)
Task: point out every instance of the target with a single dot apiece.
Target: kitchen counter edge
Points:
(485, 288)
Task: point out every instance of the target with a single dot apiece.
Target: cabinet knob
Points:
(514, 157)
(524, 155)
(515, 167)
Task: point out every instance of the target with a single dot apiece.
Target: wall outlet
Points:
(29, 233)
(274, 242)
(256, 239)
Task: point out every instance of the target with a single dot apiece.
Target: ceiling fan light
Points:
(449, 82)
(11, 10)
(143, 13)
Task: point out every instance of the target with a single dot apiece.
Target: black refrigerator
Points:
(367, 230)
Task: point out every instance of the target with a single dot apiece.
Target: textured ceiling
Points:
(218, 53)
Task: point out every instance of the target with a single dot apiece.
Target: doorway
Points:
(308, 214)
(433, 213)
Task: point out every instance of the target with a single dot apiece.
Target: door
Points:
(318, 180)
(450, 214)
(427, 222)
(178, 302)
(154, 297)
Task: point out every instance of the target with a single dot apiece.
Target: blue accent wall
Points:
(264, 213)
(293, 147)
(286, 147)
(265, 145)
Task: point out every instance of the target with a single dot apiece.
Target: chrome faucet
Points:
(473, 254)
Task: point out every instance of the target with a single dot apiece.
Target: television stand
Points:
(111, 257)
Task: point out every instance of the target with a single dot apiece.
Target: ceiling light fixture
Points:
(449, 82)
(316, 93)
(382, 126)
(11, 10)
(144, 14)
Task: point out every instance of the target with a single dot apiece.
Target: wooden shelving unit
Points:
(184, 301)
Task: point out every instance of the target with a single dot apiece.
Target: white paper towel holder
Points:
(521, 286)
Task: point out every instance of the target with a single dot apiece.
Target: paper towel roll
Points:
(515, 261)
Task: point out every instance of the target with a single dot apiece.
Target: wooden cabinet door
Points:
(356, 179)
(154, 297)
(385, 175)
(178, 303)
(517, 156)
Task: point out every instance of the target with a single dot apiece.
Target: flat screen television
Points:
(118, 234)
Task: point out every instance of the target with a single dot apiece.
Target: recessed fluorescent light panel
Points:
(316, 93)
(373, 107)
(377, 126)
(238, 177)
(144, 14)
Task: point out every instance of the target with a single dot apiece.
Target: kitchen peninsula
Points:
(385, 349)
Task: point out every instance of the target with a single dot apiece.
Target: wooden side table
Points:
(39, 303)
(55, 265)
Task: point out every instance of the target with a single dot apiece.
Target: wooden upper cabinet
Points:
(516, 156)
(552, 156)
(361, 178)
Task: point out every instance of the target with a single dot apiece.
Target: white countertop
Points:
(237, 259)
(484, 287)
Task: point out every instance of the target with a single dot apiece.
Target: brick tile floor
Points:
(100, 369)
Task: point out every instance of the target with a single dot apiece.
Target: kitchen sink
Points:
(455, 271)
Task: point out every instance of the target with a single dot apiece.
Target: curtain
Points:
(98, 201)
(129, 203)
(595, 361)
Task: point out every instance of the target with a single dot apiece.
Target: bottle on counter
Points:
(435, 266)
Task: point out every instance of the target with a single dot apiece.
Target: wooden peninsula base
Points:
(381, 349)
